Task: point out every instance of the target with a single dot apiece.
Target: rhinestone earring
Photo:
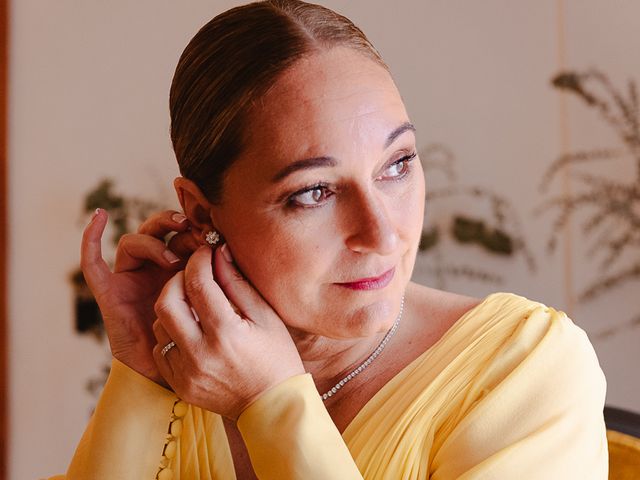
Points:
(212, 237)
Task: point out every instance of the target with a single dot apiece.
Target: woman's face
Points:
(328, 191)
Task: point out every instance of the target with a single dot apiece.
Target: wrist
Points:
(148, 371)
(283, 384)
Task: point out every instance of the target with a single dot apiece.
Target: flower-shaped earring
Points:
(212, 237)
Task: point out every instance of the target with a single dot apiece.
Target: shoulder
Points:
(540, 346)
(532, 384)
(532, 326)
(446, 307)
(507, 330)
(436, 311)
(426, 298)
(436, 314)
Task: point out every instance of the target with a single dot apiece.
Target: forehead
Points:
(325, 104)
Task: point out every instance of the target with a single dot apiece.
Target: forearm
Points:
(127, 433)
(289, 434)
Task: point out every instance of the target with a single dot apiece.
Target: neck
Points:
(330, 360)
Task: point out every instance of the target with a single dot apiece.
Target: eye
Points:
(399, 168)
(310, 196)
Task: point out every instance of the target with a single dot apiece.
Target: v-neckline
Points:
(396, 378)
(410, 366)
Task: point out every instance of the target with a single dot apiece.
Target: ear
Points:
(195, 206)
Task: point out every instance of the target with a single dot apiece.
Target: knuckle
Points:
(145, 225)
(195, 286)
(124, 240)
(198, 370)
(156, 352)
(157, 221)
(176, 244)
(157, 327)
(231, 279)
(150, 220)
(236, 276)
(162, 308)
(182, 242)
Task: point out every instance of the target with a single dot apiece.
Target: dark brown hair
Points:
(229, 64)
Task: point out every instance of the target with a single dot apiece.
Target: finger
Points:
(162, 362)
(161, 334)
(238, 289)
(204, 294)
(161, 223)
(175, 315)
(95, 269)
(135, 249)
(183, 244)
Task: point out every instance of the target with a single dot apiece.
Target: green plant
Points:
(499, 233)
(122, 209)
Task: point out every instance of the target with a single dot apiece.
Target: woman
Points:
(289, 278)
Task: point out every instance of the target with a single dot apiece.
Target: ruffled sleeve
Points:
(534, 412)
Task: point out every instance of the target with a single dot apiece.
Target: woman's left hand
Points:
(223, 360)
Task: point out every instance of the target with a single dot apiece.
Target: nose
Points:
(369, 225)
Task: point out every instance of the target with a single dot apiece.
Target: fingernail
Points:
(226, 253)
(94, 215)
(178, 217)
(170, 256)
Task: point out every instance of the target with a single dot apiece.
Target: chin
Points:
(366, 316)
(342, 313)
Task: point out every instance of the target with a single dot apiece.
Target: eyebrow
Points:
(317, 162)
(397, 132)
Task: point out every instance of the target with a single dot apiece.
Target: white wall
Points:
(88, 99)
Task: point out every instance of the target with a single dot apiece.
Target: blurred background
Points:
(528, 125)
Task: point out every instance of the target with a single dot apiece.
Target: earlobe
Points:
(195, 205)
(212, 237)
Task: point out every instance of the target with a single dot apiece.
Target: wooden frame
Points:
(4, 220)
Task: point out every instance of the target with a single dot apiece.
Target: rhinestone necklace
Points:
(368, 361)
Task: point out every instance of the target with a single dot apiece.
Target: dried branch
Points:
(468, 272)
(601, 286)
(616, 248)
(440, 157)
(574, 158)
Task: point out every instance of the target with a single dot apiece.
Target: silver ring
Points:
(167, 347)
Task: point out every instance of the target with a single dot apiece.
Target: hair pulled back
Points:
(229, 64)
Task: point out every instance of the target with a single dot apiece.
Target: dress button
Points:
(170, 449)
(165, 474)
(180, 409)
(176, 428)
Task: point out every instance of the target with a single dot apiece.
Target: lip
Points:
(371, 283)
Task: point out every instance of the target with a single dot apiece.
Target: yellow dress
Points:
(512, 390)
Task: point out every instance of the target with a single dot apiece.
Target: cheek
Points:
(280, 256)
(409, 209)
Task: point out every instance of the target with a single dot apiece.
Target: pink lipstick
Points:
(372, 283)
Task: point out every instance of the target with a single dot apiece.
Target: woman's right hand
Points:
(127, 295)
